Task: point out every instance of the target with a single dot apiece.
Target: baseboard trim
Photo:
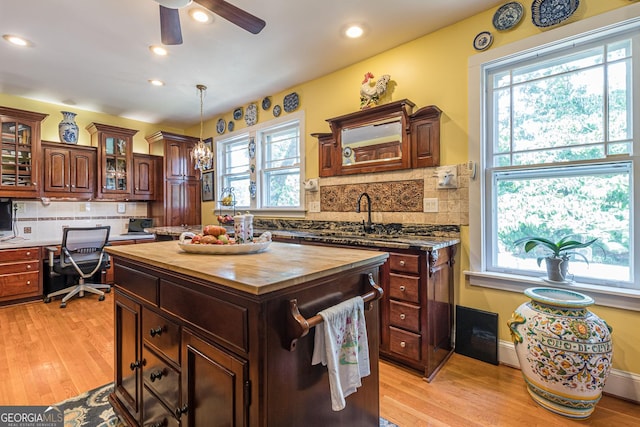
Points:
(622, 384)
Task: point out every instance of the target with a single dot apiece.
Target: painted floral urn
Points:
(564, 350)
(67, 128)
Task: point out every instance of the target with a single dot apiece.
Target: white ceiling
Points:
(93, 54)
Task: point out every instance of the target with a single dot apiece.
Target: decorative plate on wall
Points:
(277, 110)
(546, 13)
(230, 126)
(221, 126)
(251, 115)
(266, 103)
(291, 102)
(237, 113)
(507, 16)
(483, 40)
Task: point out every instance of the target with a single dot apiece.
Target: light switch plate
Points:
(430, 205)
(314, 207)
(122, 208)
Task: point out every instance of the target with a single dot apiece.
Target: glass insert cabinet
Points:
(20, 152)
(115, 160)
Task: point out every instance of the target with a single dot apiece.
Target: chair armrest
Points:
(52, 251)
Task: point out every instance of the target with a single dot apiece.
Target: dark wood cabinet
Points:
(383, 138)
(20, 274)
(180, 201)
(418, 304)
(128, 355)
(115, 160)
(69, 171)
(145, 176)
(21, 152)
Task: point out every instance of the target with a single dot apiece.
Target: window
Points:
(557, 144)
(263, 166)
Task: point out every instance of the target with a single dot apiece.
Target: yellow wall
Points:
(433, 70)
(429, 70)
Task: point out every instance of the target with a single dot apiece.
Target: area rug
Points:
(92, 409)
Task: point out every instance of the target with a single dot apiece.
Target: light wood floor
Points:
(48, 354)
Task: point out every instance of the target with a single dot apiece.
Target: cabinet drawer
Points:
(161, 378)
(141, 284)
(19, 284)
(403, 315)
(161, 333)
(404, 287)
(404, 263)
(20, 267)
(23, 254)
(155, 413)
(404, 343)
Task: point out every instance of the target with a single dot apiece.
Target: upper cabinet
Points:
(115, 160)
(20, 148)
(383, 138)
(69, 170)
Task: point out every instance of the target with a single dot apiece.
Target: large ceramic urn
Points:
(564, 350)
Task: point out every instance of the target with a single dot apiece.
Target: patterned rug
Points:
(92, 409)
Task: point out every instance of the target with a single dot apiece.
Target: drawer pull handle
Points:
(28, 282)
(28, 253)
(402, 288)
(157, 331)
(403, 344)
(28, 266)
(163, 423)
(135, 365)
(180, 411)
(402, 316)
(157, 375)
(402, 263)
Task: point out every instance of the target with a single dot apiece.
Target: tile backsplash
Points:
(42, 221)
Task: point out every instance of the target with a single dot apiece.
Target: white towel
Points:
(341, 343)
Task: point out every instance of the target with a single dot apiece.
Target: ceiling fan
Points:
(170, 19)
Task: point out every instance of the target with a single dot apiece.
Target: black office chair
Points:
(81, 257)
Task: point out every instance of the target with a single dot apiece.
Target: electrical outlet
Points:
(27, 230)
(430, 204)
(20, 207)
(314, 207)
(122, 208)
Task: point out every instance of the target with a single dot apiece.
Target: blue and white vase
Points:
(67, 128)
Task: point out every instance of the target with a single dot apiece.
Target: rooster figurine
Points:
(371, 90)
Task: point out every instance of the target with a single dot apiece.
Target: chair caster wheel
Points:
(47, 300)
(107, 290)
(101, 298)
(63, 305)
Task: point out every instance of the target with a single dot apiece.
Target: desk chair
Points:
(81, 256)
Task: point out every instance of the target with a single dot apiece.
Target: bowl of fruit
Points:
(215, 240)
(225, 219)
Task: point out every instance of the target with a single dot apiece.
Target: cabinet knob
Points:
(67, 185)
(28, 253)
(156, 331)
(73, 186)
(135, 365)
(28, 282)
(163, 423)
(402, 288)
(28, 266)
(403, 344)
(402, 263)
(180, 411)
(157, 375)
(402, 316)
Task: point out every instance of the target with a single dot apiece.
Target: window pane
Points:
(619, 50)
(558, 65)
(590, 201)
(619, 100)
(283, 188)
(502, 102)
(236, 156)
(240, 185)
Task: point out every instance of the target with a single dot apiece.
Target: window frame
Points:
(609, 23)
(255, 132)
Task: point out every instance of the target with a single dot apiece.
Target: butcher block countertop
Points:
(280, 266)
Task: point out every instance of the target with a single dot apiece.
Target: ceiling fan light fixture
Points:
(174, 4)
(16, 40)
(158, 50)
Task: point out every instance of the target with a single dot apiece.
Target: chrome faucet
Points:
(368, 227)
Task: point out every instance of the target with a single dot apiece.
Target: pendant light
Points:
(201, 154)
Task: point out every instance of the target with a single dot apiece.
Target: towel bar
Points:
(298, 326)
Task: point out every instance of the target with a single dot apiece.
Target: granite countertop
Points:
(280, 266)
(390, 241)
(21, 242)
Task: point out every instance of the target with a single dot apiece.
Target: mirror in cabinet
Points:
(383, 138)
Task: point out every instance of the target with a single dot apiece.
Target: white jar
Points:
(239, 229)
(248, 227)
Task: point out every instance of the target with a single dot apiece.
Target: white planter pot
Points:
(564, 350)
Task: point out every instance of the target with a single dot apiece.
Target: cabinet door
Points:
(83, 172)
(191, 202)
(174, 162)
(214, 385)
(57, 170)
(173, 202)
(190, 171)
(144, 177)
(182, 202)
(128, 359)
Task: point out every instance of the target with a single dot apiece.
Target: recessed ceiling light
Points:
(354, 31)
(16, 40)
(158, 50)
(200, 15)
(156, 82)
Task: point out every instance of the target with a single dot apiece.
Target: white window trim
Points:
(252, 131)
(477, 273)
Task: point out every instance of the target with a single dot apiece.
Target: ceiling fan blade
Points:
(170, 26)
(234, 14)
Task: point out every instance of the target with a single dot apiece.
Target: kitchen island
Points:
(205, 340)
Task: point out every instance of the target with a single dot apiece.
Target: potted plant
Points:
(559, 252)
